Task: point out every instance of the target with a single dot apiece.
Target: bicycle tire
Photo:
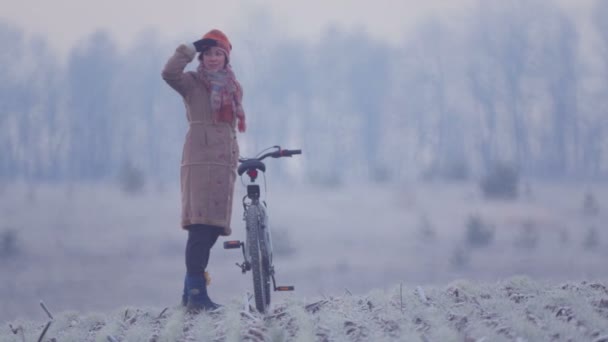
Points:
(259, 260)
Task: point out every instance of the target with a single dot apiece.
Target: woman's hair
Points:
(205, 49)
(200, 55)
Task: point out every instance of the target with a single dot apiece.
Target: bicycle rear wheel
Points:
(258, 253)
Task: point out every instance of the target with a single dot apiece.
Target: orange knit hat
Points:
(220, 39)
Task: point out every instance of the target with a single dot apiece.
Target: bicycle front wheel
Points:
(259, 258)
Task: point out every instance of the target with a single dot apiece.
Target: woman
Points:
(213, 100)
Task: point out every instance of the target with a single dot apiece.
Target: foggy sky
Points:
(64, 22)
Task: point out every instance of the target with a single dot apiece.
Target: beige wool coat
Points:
(210, 154)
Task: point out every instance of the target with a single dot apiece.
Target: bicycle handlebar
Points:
(252, 165)
(275, 154)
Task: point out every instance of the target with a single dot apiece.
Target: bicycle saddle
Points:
(251, 164)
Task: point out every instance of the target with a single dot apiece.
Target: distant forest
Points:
(516, 82)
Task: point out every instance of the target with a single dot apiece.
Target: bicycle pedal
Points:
(284, 288)
(232, 244)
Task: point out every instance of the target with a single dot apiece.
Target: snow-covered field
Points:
(94, 251)
(517, 309)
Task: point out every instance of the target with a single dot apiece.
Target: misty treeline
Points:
(517, 82)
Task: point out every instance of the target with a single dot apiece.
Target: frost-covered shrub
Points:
(460, 258)
(564, 236)
(426, 230)
(380, 174)
(31, 194)
(500, 182)
(592, 239)
(131, 179)
(342, 266)
(528, 236)
(590, 205)
(478, 232)
(8, 244)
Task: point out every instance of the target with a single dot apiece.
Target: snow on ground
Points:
(517, 309)
(91, 248)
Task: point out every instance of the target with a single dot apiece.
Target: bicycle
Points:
(257, 251)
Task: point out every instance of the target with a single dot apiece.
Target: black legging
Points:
(201, 237)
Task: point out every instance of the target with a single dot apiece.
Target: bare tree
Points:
(91, 69)
(502, 32)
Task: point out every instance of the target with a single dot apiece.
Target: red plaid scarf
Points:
(225, 92)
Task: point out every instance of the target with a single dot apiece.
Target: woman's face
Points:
(214, 59)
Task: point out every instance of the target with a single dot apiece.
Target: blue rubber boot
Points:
(198, 299)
